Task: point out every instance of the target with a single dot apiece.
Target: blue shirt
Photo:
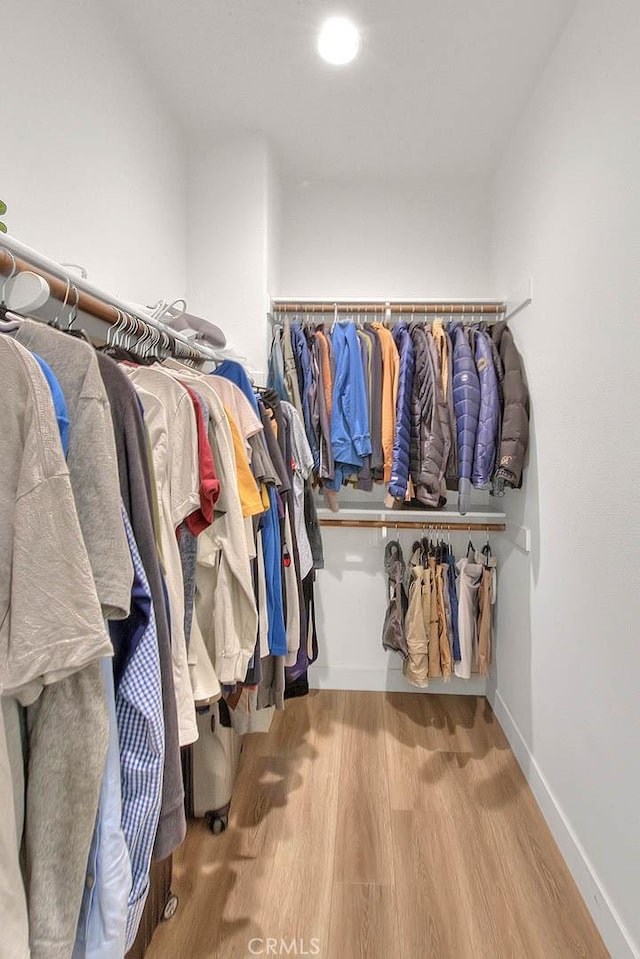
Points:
(59, 402)
(237, 374)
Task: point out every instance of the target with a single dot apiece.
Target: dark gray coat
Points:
(515, 415)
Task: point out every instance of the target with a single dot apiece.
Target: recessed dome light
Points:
(339, 41)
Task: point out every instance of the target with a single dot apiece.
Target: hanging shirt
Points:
(247, 487)
(236, 373)
(50, 638)
(140, 725)
(238, 406)
(302, 465)
(226, 610)
(13, 903)
(137, 493)
(209, 483)
(92, 460)
(59, 402)
(171, 422)
(103, 915)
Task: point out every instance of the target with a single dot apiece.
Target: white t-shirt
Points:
(234, 400)
(171, 423)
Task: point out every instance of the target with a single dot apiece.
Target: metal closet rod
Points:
(405, 524)
(16, 258)
(473, 308)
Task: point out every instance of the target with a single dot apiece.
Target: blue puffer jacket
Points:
(402, 438)
(489, 417)
(466, 402)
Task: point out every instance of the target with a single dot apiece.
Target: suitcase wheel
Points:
(170, 907)
(217, 823)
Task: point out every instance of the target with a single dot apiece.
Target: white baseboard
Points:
(390, 680)
(616, 937)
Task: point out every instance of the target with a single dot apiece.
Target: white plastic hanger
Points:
(23, 292)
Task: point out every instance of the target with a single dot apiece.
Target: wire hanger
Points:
(55, 322)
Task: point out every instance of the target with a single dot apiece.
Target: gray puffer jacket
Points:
(515, 417)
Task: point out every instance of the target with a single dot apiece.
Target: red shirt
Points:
(201, 518)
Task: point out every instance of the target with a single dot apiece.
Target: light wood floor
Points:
(385, 826)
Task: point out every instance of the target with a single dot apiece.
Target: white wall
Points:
(385, 239)
(92, 168)
(233, 211)
(376, 240)
(567, 205)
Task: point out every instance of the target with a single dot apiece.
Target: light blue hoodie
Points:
(350, 437)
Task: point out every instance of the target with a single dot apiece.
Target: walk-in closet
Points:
(318, 480)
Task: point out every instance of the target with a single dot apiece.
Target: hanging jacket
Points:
(515, 418)
(401, 443)
(489, 415)
(308, 388)
(291, 379)
(350, 438)
(453, 599)
(275, 375)
(390, 374)
(466, 400)
(451, 472)
(320, 361)
(393, 630)
(429, 447)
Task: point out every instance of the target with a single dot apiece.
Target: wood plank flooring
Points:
(378, 826)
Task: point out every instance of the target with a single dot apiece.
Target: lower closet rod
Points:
(405, 524)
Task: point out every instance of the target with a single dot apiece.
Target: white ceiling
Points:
(435, 91)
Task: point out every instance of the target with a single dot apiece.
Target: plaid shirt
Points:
(141, 738)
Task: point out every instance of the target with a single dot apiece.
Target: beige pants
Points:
(443, 621)
(416, 666)
(484, 621)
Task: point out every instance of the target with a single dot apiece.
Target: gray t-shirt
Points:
(92, 461)
(51, 636)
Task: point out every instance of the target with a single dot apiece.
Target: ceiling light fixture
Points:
(339, 41)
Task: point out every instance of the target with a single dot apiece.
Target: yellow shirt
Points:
(250, 498)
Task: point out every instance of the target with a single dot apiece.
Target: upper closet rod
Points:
(16, 257)
(424, 307)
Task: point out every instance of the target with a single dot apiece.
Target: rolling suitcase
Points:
(214, 764)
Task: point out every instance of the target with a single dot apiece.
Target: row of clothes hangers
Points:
(313, 319)
(439, 549)
(24, 293)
